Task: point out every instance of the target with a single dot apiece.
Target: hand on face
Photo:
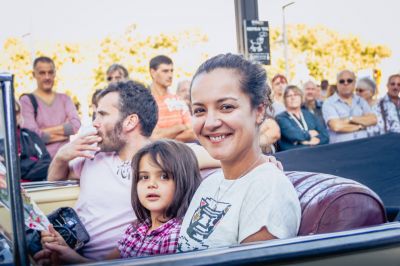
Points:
(82, 146)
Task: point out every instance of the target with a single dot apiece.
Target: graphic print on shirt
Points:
(124, 170)
(176, 105)
(204, 221)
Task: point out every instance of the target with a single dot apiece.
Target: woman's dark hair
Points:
(179, 162)
(253, 77)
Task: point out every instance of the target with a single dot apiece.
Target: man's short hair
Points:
(343, 71)
(43, 59)
(134, 98)
(117, 67)
(158, 60)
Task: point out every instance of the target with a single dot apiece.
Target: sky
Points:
(90, 20)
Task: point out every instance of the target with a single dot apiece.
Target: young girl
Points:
(165, 177)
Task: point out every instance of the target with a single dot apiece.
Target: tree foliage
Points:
(323, 51)
(81, 66)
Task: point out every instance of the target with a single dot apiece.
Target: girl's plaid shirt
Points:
(138, 241)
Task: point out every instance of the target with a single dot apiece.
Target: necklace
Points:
(216, 197)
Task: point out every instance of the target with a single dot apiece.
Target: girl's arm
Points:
(65, 254)
(114, 254)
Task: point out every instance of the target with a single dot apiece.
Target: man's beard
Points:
(112, 139)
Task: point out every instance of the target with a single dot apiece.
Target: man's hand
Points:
(65, 254)
(313, 133)
(3, 183)
(52, 236)
(80, 147)
(273, 160)
(46, 256)
(314, 141)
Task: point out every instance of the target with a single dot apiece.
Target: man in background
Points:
(51, 115)
(347, 115)
(173, 113)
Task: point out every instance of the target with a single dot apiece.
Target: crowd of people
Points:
(229, 117)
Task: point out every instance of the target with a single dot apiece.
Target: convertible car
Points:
(349, 195)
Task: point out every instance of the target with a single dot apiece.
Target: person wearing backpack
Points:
(49, 114)
(32, 152)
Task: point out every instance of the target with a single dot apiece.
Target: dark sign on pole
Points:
(256, 34)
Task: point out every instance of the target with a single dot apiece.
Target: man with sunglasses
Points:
(346, 114)
(388, 109)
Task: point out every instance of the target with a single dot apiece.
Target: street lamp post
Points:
(285, 44)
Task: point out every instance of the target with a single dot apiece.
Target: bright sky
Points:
(87, 20)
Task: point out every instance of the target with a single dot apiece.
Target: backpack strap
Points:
(34, 103)
(383, 114)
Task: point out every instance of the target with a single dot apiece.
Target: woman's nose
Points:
(212, 121)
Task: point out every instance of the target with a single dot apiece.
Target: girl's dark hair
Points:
(253, 77)
(178, 161)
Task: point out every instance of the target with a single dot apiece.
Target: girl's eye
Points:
(164, 176)
(143, 177)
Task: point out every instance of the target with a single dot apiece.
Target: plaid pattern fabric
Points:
(138, 241)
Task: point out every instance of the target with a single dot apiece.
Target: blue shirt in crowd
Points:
(335, 108)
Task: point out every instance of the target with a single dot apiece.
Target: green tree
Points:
(325, 51)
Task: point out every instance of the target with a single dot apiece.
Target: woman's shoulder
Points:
(282, 115)
(268, 174)
(213, 178)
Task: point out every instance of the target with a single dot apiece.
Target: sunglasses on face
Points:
(360, 90)
(343, 81)
(394, 84)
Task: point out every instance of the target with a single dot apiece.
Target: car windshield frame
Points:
(13, 174)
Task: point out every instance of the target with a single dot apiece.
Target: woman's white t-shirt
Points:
(225, 212)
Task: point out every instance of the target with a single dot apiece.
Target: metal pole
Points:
(13, 172)
(285, 44)
(244, 9)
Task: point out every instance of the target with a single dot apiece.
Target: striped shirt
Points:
(138, 241)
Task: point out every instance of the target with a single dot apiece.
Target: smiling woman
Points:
(244, 202)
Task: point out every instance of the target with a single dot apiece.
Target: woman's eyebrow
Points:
(219, 100)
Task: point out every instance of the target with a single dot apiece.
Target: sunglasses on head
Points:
(343, 81)
(395, 84)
